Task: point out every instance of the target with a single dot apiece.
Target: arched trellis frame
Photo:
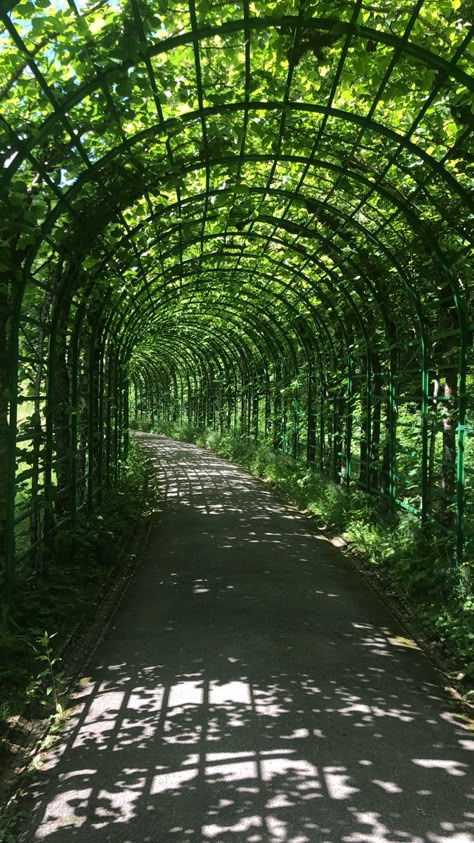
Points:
(306, 226)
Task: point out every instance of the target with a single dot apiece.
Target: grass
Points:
(416, 563)
(54, 601)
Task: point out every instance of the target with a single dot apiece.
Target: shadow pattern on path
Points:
(252, 689)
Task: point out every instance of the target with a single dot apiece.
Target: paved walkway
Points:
(252, 689)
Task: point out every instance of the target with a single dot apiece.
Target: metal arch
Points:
(154, 369)
(138, 314)
(224, 341)
(308, 257)
(190, 372)
(319, 292)
(193, 350)
(414, 222)
(305, 303)
(132, 341)
(255, 327)
(364, 231)
(270, 105)
(377, 36)
(378, 242)
(347, 464)
(230, 107)
(391, 488)
(294, 272)
(313, 285)
(302, 339)
(152, 304)
(55, 214)
(275, 295)
(232, 314)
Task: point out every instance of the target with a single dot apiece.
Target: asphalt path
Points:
(252, 689)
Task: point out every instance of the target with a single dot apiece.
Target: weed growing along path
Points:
(252, 689)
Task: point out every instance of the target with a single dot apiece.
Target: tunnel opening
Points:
(252, 218)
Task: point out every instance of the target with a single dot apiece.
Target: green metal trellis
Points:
(260, 229)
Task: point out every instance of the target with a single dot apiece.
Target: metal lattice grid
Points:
(257, 213)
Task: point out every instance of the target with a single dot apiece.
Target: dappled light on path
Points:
(252, 690)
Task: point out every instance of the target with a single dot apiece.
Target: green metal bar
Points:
(12, 356)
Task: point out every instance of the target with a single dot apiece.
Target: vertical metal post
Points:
(100, 424)
(12, 386)
(276, 410)
(349, 420)
(74, 421)
(322, 424)
(296, 430)
(368, 417)
(461, 434)
(118, 419)
(120, 411)
(310, 416)
(267, 406)
(255, 400)
(424, 432)
(91, 424)
(392, 410)
(109, 431)
(48, 521)
(249, 407)
(336, 445)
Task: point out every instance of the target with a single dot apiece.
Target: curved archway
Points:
(266, 209)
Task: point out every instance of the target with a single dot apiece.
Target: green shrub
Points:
(57, 598)
(415, 561)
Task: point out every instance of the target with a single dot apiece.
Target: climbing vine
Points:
(244, 216)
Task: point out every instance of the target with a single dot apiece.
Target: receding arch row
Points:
(311, 286)
(347, 352)
(95, 169)
(326, 352)
(302, 159)
(361, 228)
(286, 245)
(447, 69)
(424, 393)
(339, 214)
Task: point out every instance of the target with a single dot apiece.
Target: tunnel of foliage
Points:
(247, 215)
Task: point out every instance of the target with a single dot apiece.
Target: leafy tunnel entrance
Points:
(248, 216)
